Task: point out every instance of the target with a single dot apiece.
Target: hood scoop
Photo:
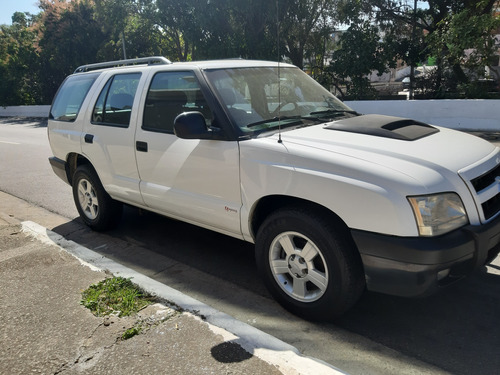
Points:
(384, 126)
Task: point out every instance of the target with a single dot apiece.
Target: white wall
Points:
(25, 111)
(456, 114)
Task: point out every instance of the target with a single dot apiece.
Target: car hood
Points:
(393, 142)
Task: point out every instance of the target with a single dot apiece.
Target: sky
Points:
(9, 7)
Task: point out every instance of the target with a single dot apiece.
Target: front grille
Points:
(487, 185)
(486, 179)
(491, 207)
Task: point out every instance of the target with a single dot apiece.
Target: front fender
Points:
(365, 195)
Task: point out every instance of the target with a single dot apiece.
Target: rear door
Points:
(108, 135)
(65, 117)
(194, 180)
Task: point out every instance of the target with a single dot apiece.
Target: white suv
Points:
(335, 202)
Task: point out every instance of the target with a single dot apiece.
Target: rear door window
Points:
(114, 105)
(70, 97)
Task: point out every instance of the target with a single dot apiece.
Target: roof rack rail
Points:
(109, 64)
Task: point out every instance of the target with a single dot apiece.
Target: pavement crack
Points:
(91, 349)
(109, 332)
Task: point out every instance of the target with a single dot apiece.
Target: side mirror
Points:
(192, 125)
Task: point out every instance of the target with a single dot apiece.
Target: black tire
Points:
(96, 208)
(309, 263)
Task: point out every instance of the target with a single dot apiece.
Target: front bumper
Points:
(417, 266)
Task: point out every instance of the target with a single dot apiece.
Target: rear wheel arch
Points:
(96, 208)
(73, 161)
(78, 167)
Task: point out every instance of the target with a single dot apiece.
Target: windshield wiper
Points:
(276, 119)
(327, 112)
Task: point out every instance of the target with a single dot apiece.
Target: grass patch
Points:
(115, 295)
(131, 332)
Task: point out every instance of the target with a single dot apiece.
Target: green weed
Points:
(131, 332)
(115, 295)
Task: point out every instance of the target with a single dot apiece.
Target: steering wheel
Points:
(281, 105)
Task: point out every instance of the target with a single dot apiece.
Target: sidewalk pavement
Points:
(45, 330)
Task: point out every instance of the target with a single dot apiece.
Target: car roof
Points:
(201, 65)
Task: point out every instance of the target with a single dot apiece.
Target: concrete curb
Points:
(264, 346)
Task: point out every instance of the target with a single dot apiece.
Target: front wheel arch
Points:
(284, 244)
(269, 204)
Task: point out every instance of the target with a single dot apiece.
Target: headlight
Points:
(438, 214)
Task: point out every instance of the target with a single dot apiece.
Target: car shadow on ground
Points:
(456, 330)
(36, 122)
(157, 243)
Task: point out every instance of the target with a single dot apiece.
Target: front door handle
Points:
(89, 138)
(141, 146)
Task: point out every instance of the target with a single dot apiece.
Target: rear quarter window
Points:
(70, 96)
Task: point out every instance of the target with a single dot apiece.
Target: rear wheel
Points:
(309, 264)
(96, 208)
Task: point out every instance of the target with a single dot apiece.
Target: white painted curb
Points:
(264, 346)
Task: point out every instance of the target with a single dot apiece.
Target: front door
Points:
(194, 180)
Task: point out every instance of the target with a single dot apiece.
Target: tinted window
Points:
(170, 94)
(70, 97)
(114, 105)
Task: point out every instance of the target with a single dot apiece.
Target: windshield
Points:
(261, 98)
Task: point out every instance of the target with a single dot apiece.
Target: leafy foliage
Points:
(360, 52)
(38, 51)
(19, 61)
(300, 20)
(69, 37)
(458, 34)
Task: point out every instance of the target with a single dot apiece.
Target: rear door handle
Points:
(141, 146)
(89, 138)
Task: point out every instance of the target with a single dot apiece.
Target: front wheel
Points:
(309, 264)
(96, 208)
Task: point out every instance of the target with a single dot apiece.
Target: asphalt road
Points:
(453, 332)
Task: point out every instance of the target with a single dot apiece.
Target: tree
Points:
(257, 30)
(464, 45)
(318, 48)
(458, 33)
(298, 22)
(207, 29)
(131, 28)
(69, 36)
(219, 28)
(360, 52)
(19, 62)
(114, 16)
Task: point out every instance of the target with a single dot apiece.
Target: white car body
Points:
(365, 177)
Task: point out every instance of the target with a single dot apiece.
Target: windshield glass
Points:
(261, 98)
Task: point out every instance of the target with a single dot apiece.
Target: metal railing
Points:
(160, 60)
